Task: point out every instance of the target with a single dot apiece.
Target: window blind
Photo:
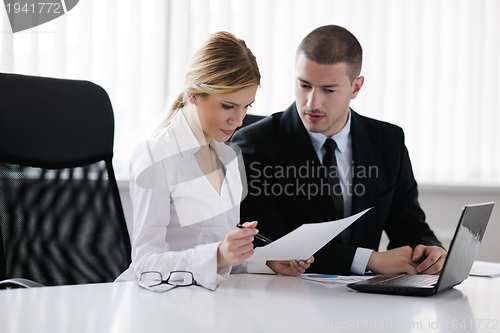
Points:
(430, 66)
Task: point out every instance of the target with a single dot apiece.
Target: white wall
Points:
(442, 204)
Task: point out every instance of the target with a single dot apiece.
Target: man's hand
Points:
(395, 261)
(430, 258)
(290, 267)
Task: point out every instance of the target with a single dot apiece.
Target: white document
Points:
(304, 241)
(487, 269)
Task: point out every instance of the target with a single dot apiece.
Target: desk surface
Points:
(250, 303)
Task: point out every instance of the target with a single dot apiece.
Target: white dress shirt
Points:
(179, 218)
(343, 154)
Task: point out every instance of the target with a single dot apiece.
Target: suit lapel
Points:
(296, 144)
(365, 156)
(293, 137)
(365, 144)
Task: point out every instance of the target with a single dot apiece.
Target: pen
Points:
(258, 236)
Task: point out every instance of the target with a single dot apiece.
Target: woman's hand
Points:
(290, 267)
(237, 246)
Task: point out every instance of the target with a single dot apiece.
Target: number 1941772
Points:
(38, 8)
(464, 324)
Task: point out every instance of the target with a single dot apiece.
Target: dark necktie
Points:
(332, 176)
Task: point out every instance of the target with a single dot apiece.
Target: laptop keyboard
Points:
(411, 281)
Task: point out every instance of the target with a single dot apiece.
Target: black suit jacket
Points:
(284, 186)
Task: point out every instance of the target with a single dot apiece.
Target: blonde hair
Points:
(222, 65)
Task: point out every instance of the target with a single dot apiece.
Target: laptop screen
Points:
(465, 245)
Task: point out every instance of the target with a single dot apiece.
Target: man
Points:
(367, 166)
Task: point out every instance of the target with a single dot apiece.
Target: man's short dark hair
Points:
(330, 45)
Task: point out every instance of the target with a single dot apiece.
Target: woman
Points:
(185, 182)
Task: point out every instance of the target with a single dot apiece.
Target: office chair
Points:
(250, 119)
(61, 218)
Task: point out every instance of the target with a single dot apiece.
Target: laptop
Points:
(461, 255)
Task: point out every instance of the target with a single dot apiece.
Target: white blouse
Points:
(179, 218)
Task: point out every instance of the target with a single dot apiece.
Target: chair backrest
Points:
(248, 120)
(61, 218)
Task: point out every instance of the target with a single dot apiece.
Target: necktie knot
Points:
(329, 158)
(330, 144)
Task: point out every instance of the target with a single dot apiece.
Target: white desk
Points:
(248, 303)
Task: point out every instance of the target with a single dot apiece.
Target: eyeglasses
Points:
(154, 281)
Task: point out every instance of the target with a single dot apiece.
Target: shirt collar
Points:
(186, 140)
(188, 145)
(341, 138)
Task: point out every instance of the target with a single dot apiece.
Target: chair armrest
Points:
(19, 283)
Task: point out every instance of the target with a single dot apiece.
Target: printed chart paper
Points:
(334, 279)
